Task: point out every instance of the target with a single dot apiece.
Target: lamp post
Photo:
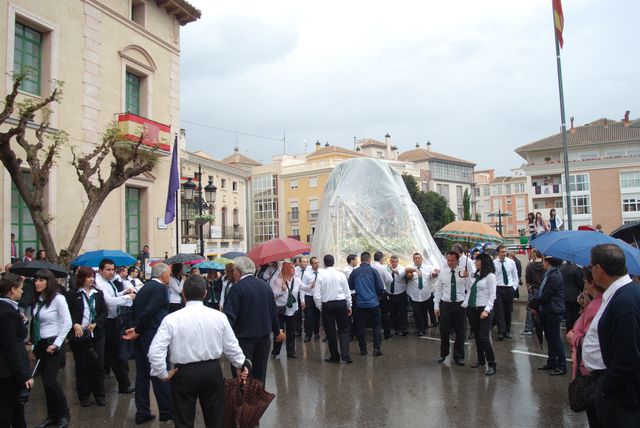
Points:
(201, 204)
(499, 214)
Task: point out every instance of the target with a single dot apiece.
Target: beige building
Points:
(604, 170)
(119, 59)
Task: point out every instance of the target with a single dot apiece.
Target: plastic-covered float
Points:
(366, 207)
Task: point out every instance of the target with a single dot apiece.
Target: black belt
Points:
(195, 363)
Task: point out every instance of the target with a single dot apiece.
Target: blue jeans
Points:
(557, 358)
(161, 389)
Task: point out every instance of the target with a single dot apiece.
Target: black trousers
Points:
(557, 358)
(572, 313)
(89, 372)
(335, 313)
(11, 412)
(433, 321)
(257, 350)
(398, 312)
(298, 321)
(503, 308)
(49, 367)
(161, 389)
(452, 317)
(174, 307)
(198, 381)
(311, 317)
(385, 316)
(481, 329)
(420, 310)
(288, 324)
(373, 315)
(112, 344)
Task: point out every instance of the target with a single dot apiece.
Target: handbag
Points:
(582, 389)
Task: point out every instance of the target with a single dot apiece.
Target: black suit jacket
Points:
(251, 309)
(552, 298)
(619, 335)
(150, 306)
(14, 362)
(76, 307)
(573, 281)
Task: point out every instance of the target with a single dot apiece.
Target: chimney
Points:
(417, 145)
(317, 144)
(387, 140)
(428, 145)
(326, 144)
(572, 130)
(626, 120)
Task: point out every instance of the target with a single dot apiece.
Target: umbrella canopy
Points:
(575, 247)
(29, 269)
(277, 249)
(93, 258)
(222, 260)
(470, 231)
(629, 233)
(587, 227)
(187, 259)
(233, 254)
(207, 266)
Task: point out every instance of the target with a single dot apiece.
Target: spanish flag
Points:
(558, 20)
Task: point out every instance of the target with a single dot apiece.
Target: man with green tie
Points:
(507, 282)
(420, 291)
(449, 294)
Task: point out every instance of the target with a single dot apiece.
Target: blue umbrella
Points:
(233, 254)
(575, 246)
(93, 258)
(207, 266)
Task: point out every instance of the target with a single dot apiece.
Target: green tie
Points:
(36, 324)
(505, 277)
(290, 299)
(91, 301)
(473, 293)
(454, 295)
(393, 281)
(226, 290)
(420, 284)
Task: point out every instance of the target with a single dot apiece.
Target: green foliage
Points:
(466, 205)
(433, 207)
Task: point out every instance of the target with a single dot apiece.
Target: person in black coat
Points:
(15, 375)
(617, 398)
(88, 315)
(550, 303)
(573, 286)
(251, 310)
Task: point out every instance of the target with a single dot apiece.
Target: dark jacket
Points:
(14, 362)
(619, 335)
(533, 274)
(573, 281)
(150, 306)
(550, 297)
(366, 281)
(76, 307)
(28, 293)
(251, 309)
(518, 269)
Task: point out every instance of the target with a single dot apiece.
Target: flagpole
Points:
(177, 202)
(565, 150)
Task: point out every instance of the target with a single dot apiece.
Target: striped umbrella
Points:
(469, 231)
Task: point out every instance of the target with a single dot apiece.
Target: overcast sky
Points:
(476, 78)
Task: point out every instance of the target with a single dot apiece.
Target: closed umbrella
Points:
(29, 269)
(245, 404)
(277, 249)
(93, 258)
(469, 231)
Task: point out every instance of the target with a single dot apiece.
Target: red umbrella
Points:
(277, 249)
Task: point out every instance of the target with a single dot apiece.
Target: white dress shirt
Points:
(331, 285)
(175, 290)
(86, 313)
(55, 319)
(512, 272)
(112, 297)
(465, 262)
(443, 286)
(385, 275)
(591, 353)
(226, 285)
(413, 285)
(347, 273)
(309, 280)
(193, 334)
(397, 278)
(268, 273)
(282, 296)
(485, 294)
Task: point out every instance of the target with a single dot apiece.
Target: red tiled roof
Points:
(332, 149)
(420, 154)
(237, 158)
(370, 142)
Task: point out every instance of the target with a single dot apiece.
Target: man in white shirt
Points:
(507, 283)
(196, 336)
(114, 299)
(302, 272)
(333, 296)
(385, 277)
(311, 312)
(420, 290)
(397, 293)
(352, 263)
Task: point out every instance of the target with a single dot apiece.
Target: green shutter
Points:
(21, 222)
(27, 57)
(132, 215)
(133, 94)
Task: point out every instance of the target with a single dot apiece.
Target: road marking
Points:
(534, 354)
(437, 340)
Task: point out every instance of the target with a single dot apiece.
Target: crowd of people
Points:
(177, 325)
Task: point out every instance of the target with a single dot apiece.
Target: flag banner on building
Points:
(154, 134)
(558, 20)
(174, 186)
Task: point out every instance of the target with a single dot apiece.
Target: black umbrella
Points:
(184, 258)
(29, 269)
(629, 233)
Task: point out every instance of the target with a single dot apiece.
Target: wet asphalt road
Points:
(405, 387)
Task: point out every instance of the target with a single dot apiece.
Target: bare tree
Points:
(112, 162)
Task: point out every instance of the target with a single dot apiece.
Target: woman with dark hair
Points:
(555, 222)
(479, 303)
(15, 375)
(88, 314)
(227, 282)
(175, 287)
(41, 256)
(541, 226)
(214, 288)
(51, 323)
(531, 220)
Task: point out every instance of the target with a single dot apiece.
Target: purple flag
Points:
(174, 186)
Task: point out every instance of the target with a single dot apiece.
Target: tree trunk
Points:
(83, 225)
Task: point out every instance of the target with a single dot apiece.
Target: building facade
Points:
(119, 59)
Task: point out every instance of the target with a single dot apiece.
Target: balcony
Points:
(233, 232)
(547, 190)
(296, 237)
(294, 216)
(312, 215)
(154, 133)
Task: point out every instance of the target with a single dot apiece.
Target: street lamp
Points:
(499, 214)
(198, 202)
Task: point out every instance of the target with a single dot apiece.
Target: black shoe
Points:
(546, 367)
(404, 333)
(166, 418)
(332, 360)
(63, 422)
(292, 356)
(274, 355)
(388, 336)
(377, 353)
(557, 372)
(100, 402)
(49, 422)
(347, 360)
(422, 334)
(307, 339)
(491, 370)
(500, 337)
(324, 339)
(128, 390)
(441, 359)
(508, 335)
(142, 419)
(316, 337)
(459, 363)
(363, 352)
(477, 364)
(85, 403)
